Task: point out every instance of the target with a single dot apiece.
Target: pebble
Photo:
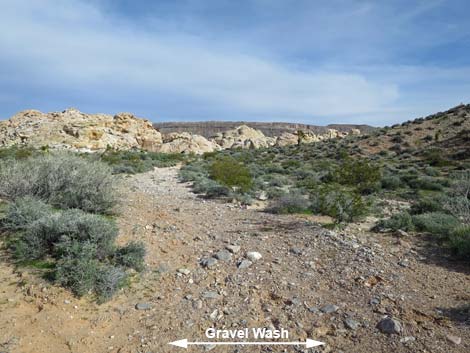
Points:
(253, 256)
(389, 326)
(210, 295)
(454, 339)
(233, 248)
(223, 255)
(66, 301)
(407, 339)
(351, 324)
(244, 264)
(208, 262)
(329, 308)
(184, 271)
(142, 306)
(296, 251)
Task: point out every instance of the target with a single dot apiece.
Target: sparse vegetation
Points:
(58, 213)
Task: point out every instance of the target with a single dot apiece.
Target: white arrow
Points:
(308, 343)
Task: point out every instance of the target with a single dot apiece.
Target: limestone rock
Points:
(72, 129)
(243, 137)
(187, 143)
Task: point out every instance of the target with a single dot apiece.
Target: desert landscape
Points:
(222, 176)
(358, 240)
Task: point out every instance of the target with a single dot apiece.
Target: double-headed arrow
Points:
(308, 343)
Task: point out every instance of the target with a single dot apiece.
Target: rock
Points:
(78, 131)
(208, 262)
(143, 306)
(210, 295)
(244, 264)
(404, 263)
(329, 308)
(296, 251)
(223, 255)
(66, 301)
(351, 324)
(243, 137)
(184, 271)
(233, 248)
(401, 233)
(187, 143)
(454, 339)
(407, 339)
(390, 326)
(253, 256)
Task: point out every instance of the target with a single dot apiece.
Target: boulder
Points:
(243, 137)
(72, 129)
(187, 143)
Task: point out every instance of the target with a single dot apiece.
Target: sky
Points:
(309, 61)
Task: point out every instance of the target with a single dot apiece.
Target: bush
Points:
(459, 242)
(132, 255)
(231, 173)
(436, 223)
(427, 205)
(62, 180)
(342, 204)
(78, 268)
(398, 221)
(108, 281)
(459, 201)
(24, 211)
(290, 203)
(360, 174)
(55, 233)
(391, 182)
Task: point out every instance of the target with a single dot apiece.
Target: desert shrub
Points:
(131, 255)
(290, 203)
(231, 173)
(210, 188)
(391, 182)
(24, 211)
(136, 161)
(427, 205)
(360, 174)
(459, 201)
(402, 220)
(436, 223)
(344, 205)
(425, 183)
(459, 242)
(55, 233)
(434, 157)
(62, 180)
(78, 268)
(108, 281)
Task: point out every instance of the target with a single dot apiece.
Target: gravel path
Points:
(331, 286)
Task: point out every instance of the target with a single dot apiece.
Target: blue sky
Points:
(319, 62)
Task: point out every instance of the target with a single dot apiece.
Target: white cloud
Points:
(71, 43)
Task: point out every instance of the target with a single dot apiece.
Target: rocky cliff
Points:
(210, 128)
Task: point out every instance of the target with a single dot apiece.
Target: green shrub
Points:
(132, 255)
(391, 182)
(402, 220)
(459, 242)
(78, 268)
(56, 232)
(24, 211)
(290, 203)
(459, 199)
(436, 223)
(427, 205)
(425, 183)
(231, 173)
(62, 180)
(342, 204)
(108, 281)
(360, 174)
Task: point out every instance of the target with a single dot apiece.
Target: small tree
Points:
(230, 172)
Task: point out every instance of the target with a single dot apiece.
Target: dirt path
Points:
(356, 279)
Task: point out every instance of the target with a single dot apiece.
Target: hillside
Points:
(270, 129)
